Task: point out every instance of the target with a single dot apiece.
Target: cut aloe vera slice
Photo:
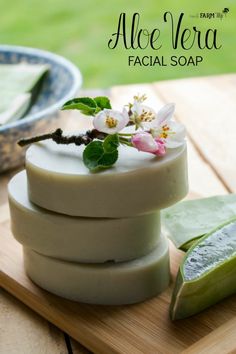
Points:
(187, 221)
(189, 244)
(207, 273)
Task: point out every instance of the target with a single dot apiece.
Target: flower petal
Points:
(144, 141)
(143, 115)
(110, 121)
(136, 108)
(177, 138)
(165, 113)
(126, 116)
(178, 129)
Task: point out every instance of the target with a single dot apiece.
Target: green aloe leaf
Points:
(189, 244)
(101, 154)
(207, 273)
(186, 222)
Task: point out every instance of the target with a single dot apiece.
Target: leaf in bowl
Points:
(18, 88)
(207, 273)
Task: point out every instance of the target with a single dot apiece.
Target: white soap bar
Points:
(79, 239)
(106, 284)
(138, 183)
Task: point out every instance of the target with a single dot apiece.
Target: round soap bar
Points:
(138, 183)
(106, 284)
(79, 239)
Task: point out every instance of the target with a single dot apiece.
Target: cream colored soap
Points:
(106, 284)
(79, 239)
(138, 183)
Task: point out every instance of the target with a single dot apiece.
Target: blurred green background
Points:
(80, 30)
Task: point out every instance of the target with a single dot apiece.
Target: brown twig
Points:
(59, 138)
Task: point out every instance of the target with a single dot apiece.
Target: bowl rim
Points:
(76, 74)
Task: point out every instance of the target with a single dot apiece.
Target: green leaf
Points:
(107, 159)
(111, 143)
(92, 154)
(103, 102)
(86, 105)
(98, 154)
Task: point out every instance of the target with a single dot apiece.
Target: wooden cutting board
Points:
(142, 328)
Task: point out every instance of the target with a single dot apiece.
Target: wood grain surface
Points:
(222, 340)
(207, 106)
(146, 328)
(22, 331)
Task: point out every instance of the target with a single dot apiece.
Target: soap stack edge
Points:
(106, 261)
(95, 238)
(79, 239)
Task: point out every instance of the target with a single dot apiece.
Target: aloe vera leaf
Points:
(17, 80)
(189, 244)
(207, 273)
(189, 220)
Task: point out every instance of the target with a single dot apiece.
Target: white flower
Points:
(164, 127)
(141, 114)
(110, 121)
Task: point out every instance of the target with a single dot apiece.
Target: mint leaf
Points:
(86, 105)
(103, 102)
(111, 143)
(98, 154)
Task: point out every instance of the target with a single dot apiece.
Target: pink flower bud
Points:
(144, 141)
(161, 147)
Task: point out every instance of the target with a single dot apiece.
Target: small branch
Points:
(125, 141)
(35, 139)
(59, 138)
(125, 134)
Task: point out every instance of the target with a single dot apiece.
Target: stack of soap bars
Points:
(95, 237)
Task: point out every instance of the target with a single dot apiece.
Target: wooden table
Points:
(207, 106)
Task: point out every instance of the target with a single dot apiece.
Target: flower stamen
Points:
(140, 98)
(165, 127)
(163, 135)
(147, 116)
(111, 122)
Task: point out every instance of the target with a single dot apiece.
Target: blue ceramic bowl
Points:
(62, 84)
